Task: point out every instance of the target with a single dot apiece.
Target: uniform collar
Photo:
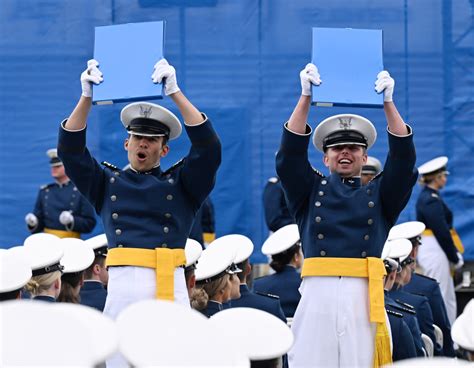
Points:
(244, 288)
(351, 182)
(154, 171)
(431, 190)
(65, 184)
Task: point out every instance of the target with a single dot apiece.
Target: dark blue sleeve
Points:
(84, 171)
(426, 325)
(198, 173)
(85, 221)
(208, 219)
(279, 311)
(275, 208)
(407, 348)
(440, 317)
(38, 212)
(435, 220)
(399, 175)
(293, 168)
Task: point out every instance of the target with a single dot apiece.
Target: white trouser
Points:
(331, 324)
(435, 264)
(128, 285)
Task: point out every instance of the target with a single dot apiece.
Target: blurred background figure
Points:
(284, 248)
(274, 205)
(93, 292)
(372, 168)
(442, 247)
(463, 332)
(60, 209)
(204, 227)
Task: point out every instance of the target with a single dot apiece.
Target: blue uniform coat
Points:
(212, 308)
(93, 294)
(402, 339)
(55, 198)
(266, 303)
(145, 210)
(428, 287)
(274, 205)
(285, 285)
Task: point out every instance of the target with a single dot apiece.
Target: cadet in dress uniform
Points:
(403, 339)
(243, 248)
(15, 272)
(44, 253)
(463, 330)
(60, 209)
(93, 292)
(204, 228)
(213, 286)
(284, 246)
(441, 244)
(147, 212)
(370, 170)
(274, 206)
(424, 285)
(343, 227)
(417, 302)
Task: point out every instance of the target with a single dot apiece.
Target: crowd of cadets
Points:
(335, 251)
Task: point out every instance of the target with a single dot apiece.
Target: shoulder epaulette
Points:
(267, 295)
(426, 277)
(319, 173)
(434, 195)
(405, 304)
(46, 186)
(403, 309)
(273, 180)
(177, 164)
(109, 165)
(393, 313)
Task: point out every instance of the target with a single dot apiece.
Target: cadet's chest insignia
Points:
(393, 313)
(405, 304)
(267, 295)
(109, 165)
(273, 180)
(434, 195)
(174, 167)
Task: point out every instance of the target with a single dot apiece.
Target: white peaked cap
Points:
(156, 333)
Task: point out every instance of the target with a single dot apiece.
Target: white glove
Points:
(91, 75)
(385, 83)
(66, 218)
(309, 75)
(460, 263)
(164, 71)
(31, 220)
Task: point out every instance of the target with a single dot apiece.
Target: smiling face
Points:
(346, 160)
(144, 153)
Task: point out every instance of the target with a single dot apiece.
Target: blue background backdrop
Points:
(238, 61)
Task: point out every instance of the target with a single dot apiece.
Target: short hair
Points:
(100, 260)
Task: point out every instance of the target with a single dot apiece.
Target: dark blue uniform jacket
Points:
(403, 344)
(93, 294)
(341, 218)
(145, 210)
(284, 284)
(212, 308)
(274, 205)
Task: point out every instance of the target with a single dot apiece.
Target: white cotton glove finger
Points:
(31, 220)
(309, 75)
(460, 263)
(66, 218)
(386, 84)
(164, 72)
(91, 75)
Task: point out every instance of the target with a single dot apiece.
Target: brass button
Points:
(323, 253)
(112, 180)
(366, 237)
(74, 189)
(118, 231)
(371, 204)
(320, 193)
(364, 254)
(369, 192)
(166, 229)
(164, 245)
(116, 173)
(320, 236)
(169, 197)
(317, 204)
(317, 219)
(370, 221)
(113, 198)
(115, 216)
(324, 182)
(119, 245)
(168, 215)
(171, 181)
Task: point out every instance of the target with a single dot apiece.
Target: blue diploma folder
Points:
(126, 54)
(348, 61)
